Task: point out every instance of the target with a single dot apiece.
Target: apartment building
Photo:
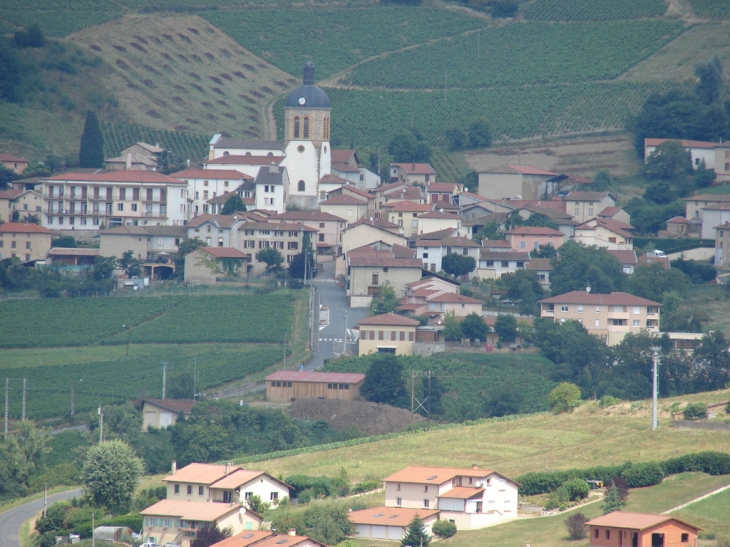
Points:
(207, 184)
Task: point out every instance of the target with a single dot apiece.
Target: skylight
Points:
(431, 477)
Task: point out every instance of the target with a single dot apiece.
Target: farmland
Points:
(579, 10)
(715, 9)
(515, 55)
(118, 136)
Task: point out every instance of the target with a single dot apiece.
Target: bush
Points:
(608, 400)
(576, 525)
(365, 486)
(643, 474)
(695, 411)
(577, 489)
(563, 495)
(712, 463)
(443, 529)
(542, 482)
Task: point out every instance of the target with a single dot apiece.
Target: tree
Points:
(11, 74)
(103, 267)
(443, 528)
(660, 193)
(452, 327)
(504, 8)
(612, 502)
(490, 230)
(91, 152)
(456, 138)
(473, 327)
(577, 488)
(185, 247)
(181, 386)
(296, 266)
(384, 381)
(711, 362)
(53, 520)
(544, 251)
(67, 242)
(233, 204)
(458, 265)
(480, 135)
(271, 257)
(123, 422)
(579, 266)
(110, 473)
(523, 286)
(6, 177)
(406, 147)
(668, 161)
(387, 301)
(564, 397)
(506, 327)
(703, 176)
(416, 535)
(206, 537)
(602, 181)
(652, 281)
(576, 525)
(256, 505)
(698, 272)
(131, 266)
(709, 86)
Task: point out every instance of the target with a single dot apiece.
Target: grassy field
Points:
(710, 513)
(579, 10)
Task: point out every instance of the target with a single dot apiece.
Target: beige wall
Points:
(411, 495)
(117, 245)
(428, 225)
(581, 211)
(408, 221)
(362, 279)
(364, 234)
(29, 203)
(28, 246)
(530, 240)
(196, 268)
(6, 208)
(602, 237)
(373, 337)
(722, 248)
(351, 213)
(263, 486)
(163, 534)
(461, 310)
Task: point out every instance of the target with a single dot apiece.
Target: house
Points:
(542, 267)
(387, 333)
(177, 521)
(696, 204)
(470, 498)
(497, 245)
(700, 151)
(604, 232)
(389, 523)
(219, 230)
(272, 188)
(20, 201)
(405, 214)
(106, 199)
(366, 231)
(722, 245)
(528, 238)
(584, 206)
(162, 413)
(434, 221)
(205, 184)
(369, 269)
(444, 192)
(627, 259)
(329, 228)
(650, 257)
(26, 242)
(287, 385)
(419, 292)
(264, 538)
(207, 265)
(353, 191)
(616, 213)
(722, 162)
(153, 244)
(247, 165)
(465, 199)
(149, 151)
(17, 164)
(439, 305)
(678, 226)
(433, 246)
(345, 206)
(621, 528)
(686, 342)
(563, 220)
(287, 237)
(345, 164)
(413, 194)
(714, 215)
(131, 161)
(516, 181)
(72, 259)
(494, 264)
(412, 173)
(608, 316)
(8, 203)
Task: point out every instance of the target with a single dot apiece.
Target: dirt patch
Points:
(370, 418)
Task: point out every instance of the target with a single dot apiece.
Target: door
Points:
(634, 539)
(657, 540)
(165, 419)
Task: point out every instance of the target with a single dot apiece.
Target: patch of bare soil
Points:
(370, 418)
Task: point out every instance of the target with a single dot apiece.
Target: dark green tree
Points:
(602, 181)
(579, 266)
(416, 535)
(703, 177)
(711, 362)
(698, 272)
(103, 267)
(387, 300)
(67, 242)
(480, 136)
(91, 151)
(669, 161)
(384, 381)
(709, 73)
(473, 327)
(576, 525)
(6, 176)
(458, 265)
(11, 74)
(452, 327)
(233, 204)
(674, 115)
(406, 147)
(660, 193)
(185, 247)
(456, 138)
(490, 230)
(271, 257)
(612, 501)
(506, 327)
(132, 266)
(544, 251)
(180, 386)
(296, 266)
(210, 536)
(652, 281)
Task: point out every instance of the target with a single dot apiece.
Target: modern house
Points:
(24, 241)
(444, 192)
(287, 385)
(608, 316)
(390, 523)
(155, 245)
(542, 267)
(387, 333)
(162, 413)
(624, 529)
(345, 206)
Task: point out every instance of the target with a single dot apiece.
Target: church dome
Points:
(308, 95)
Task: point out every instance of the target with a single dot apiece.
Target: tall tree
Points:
(210, 536)
(480, 136)
(11, 75)
(384, 381)
(668, 161)
(579, 266)
(506, 327)
(458, 265)
(709, 86)
(233, 204)
(474, 327)
(132, 266)
(271, 257)
(407, 147)
(91, 152)
(110, 474)
(416, 535)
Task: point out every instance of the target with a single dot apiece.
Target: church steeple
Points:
(309, 73)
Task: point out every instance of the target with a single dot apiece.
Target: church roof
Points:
(308, 95)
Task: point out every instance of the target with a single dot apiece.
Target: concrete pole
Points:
(25, 384)
(7, 405)
(654, 394)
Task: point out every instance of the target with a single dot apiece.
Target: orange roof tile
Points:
(210, 174)
(238, 478)
(613, 299)
(434, 475)
(194, 510)
(389, 516)
(244, 539)
(462, 493)
(23, 228)
(151, 177)
(201, 473)
(634, 521)
(416, 168)
(389, 319)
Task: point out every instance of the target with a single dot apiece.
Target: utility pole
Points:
(284, 350)
(45, 499)
(164, 378)
(7, 405)
(413, 388)
(25, 383)
(655, 360)
(101, 425)
(73, 394)
(428, 411)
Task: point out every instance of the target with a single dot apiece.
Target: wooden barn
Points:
(286, 385)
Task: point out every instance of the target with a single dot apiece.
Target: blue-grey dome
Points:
(308, 95)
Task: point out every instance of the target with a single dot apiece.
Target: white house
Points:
(701, 151)
(272, 186)
(494, 264)
(206, 184)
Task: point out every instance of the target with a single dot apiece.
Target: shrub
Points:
(552, 503)
(608, 400)
(577, 489)
(576, 525)
(695, 411)
(563, 495)
(365, 486)
(443, 529)
(643, 474)
(712, 463)
(564, 397)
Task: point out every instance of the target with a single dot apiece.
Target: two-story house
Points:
(328, 226)
(608, 316)
(530, 238)
(494, 264)
(368, 269)
(587, 205)
(412, 173)
(206, 184)
(624, 529)
(24, 241)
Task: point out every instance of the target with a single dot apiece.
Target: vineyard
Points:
(109, 382)
(715, 9)
(118, 136)
(55, 22)
(372, 118)
(168, 319)
(580, 10)
(336, 39)
(516, 55)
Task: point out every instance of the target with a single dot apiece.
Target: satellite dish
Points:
(439, 321)
(242, 510)
(478, 484)
(588, 289)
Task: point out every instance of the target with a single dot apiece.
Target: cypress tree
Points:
(612, 501)
(91, 151)
(416, 535)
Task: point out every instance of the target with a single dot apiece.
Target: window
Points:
(598, 322)
(375, 280)
(637, 310)
(134, 207)
(608, 534)
(274, 495)
(296, 127)
(201, 490)
(576, 212)
(190, 489)
(120, 206)
(27, 244)
(536, 244)
(595, 533)
(580, 309)
(522, 244)
(426, 503)
(321, 237)
(564, 308)
(293, 245)
(598, 309)
(301, 186)
(247, 495)
(590, 211)
(399, 501)
(177, 488)
(685, 538)
(636, 322)
(13, 244)
(425, 488)
(306, 128)
(122, 194)
(398, 488)
(425, 255)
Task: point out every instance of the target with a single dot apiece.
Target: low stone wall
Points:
(714, 426)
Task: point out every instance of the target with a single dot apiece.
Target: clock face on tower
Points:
(302, 101)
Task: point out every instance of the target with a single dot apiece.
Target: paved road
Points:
(11, 520)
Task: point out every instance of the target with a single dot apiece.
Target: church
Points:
(296, 171)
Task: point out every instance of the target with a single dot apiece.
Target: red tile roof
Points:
(23, 228)
(539, 265)
(613, 299)
(343, 199)
(384, 259)
(408, 207)
(344, 167)
(389, 516)
(462, 493)
(441, 214)
(201, 473)
(624, 257)
(535, 230)
(684, 142)
(224, 252)
(663, 260)
(245, 538)
(389, 319)
(416, 168)
(192, 510)
(716, 198)
(496, 243)
(211, 174)
(377, 222)
(434, 475)
(634, 521)
(174, 405)
(677, 220)
(609, 211)
(317, 377)
(10, 194)
(246, 160)
(458, 242)
(342, 156)
(308, 215)
(354, 190)
(149, 177)
(442, 187)
(10, 157)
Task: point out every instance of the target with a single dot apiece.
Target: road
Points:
(12, 519)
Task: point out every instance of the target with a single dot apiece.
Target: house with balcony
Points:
(624, 529)
(608, 316)
(107, 199)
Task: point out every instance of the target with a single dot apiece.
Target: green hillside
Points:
(715, 9)
(580, 10)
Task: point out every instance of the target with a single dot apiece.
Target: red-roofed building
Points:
(163, 413)
(700, 151)
(24, 241)
(346, 206)
(584, 206)
(412, 173)
(206, 184)
(287, 385)
(15, 163)
(390, 523)
(268, 539)
(444, 192)
(368, 271)
(528, 238)
(607, 233)
(517, 182)
(329, 228)
(387, 333)
(624, 529)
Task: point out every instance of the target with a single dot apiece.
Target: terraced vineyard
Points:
(337, 38)
(118, 136)
(517, 55)
(715, 9)
(580, 10)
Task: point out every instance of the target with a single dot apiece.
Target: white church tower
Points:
(306, 138)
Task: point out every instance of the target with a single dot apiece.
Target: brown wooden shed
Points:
(286, 385)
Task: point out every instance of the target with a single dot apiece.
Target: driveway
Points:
(12, 519)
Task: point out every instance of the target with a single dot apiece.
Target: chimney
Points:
(174, 467)
(292, 531)
(129, 161)
(474, 466)
(273, 168)
(228, 467)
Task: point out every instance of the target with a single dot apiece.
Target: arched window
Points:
(301, 186)
(296, 127)
(306, 128)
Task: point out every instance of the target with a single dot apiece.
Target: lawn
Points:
(710, 513)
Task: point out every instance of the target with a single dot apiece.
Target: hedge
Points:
(134, 521)
(635, 475)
